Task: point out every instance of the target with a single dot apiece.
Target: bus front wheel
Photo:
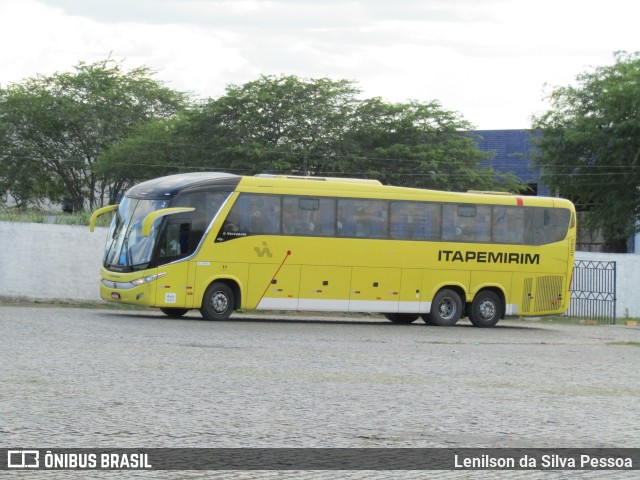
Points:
(446, 309)
(486, 309)
(218, 302)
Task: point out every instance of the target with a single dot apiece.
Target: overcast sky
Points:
(487, 59)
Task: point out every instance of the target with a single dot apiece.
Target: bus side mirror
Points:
(97, 213)
(153, 216)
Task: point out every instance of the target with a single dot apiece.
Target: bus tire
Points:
(402, 318)
(218, 302)
(485, 309)
(174, 312)
(446, 309)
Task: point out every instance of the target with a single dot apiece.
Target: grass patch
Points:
(562, 320)
(66, 303)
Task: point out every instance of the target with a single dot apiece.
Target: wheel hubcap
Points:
(219, 302)
(487, 309)
(447, 308)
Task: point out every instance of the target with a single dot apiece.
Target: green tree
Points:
(279, 124)
(590, 146)
(58, 126)
(312, 127)
(156, 148)
(421, 145)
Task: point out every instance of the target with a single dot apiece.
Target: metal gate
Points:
(593, 291)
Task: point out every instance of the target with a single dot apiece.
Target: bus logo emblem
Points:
(261, 252)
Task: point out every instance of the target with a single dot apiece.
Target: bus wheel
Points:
(446, 309)
(404, 318)
(218, 302)
(486, 309)
(174, 312)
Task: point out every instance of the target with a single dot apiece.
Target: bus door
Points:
(174, 286)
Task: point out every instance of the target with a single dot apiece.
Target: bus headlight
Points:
(150, 278)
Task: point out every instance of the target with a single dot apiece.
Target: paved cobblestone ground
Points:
(97, 378)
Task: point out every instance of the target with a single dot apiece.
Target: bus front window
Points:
(126, 247)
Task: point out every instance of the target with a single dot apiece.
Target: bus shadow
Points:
(314, 320)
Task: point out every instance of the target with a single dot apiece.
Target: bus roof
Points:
(166, 187)
(169, 186)
(363, 181)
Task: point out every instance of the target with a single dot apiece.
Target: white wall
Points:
(627, 279)
(43, 261)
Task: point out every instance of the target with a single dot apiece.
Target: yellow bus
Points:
(219, 242)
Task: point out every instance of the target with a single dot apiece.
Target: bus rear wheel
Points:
(486, 309)
(174, 312)
(401, 318)
(446, 309)
(218, 302)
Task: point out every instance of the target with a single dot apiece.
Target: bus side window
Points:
(399, 220)
(466, 223)
(309, 216)
(345, 220)
(550, 225)
(252, 214)
(508, 225)
(454, 222)
(326, 218)
(362, 218)
(175, 240)
(428, 223)
(481, 224)
(414, 221)
(377, 212)
(298, 215)
(235, 224)
(271, 207)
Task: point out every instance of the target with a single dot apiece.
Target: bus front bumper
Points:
(140, 291)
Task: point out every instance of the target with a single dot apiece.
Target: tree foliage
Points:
(590, 146)
(91, 133)
(277, 124)
(53, 129)
(421, 145)
(317, 127)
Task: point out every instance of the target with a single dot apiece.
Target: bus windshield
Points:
(126, 247)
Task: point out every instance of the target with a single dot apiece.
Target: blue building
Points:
(512, 152)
